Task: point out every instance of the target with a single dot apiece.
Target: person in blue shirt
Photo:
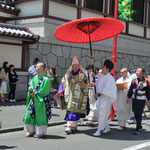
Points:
(32, 71)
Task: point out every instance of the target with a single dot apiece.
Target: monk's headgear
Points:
(75, 61)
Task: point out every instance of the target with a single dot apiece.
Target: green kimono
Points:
(40, 108)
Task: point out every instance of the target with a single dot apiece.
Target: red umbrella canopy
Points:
(84, 30)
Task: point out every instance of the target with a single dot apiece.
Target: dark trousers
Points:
(87, 107)
(53, 99)
(12, 91)
(138, 107)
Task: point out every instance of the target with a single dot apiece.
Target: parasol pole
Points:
(92, 59)
(115, 42)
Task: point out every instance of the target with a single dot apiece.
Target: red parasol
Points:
(80, 30)
(89, 30)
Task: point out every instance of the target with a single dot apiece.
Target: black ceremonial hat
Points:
(89, 67)
(108, 64)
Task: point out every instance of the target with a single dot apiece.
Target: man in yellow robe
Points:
(75, 89)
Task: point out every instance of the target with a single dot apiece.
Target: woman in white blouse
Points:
(5, 79)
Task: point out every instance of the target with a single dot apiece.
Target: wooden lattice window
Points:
(138, 7)
(111, 7)
(70, 1)
(94, 4)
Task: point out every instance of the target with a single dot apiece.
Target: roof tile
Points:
(16, 32)
(8, 7)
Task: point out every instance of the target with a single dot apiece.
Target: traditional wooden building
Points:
(42, 17)
(13, 42)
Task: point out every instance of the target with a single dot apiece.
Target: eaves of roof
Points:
(9, 9)
(15, 31)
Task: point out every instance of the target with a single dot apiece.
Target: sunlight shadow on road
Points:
(7, 147)
(53, 137)
(114, 134)
(17, 103)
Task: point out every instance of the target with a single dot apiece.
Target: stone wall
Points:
(60, 57)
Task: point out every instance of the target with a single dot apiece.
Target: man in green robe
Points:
(39, 88)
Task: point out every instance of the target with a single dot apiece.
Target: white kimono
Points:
(123, 110)
(93, 114)
(106, 86)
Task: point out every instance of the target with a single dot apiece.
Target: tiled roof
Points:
(15, 31)
(8, 7)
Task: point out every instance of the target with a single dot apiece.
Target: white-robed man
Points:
(106, 93)
(124, 110)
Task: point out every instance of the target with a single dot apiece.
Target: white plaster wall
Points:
(62, 11)
(136, 29)
(12, 54)
(86, 14)
(38, 30)
(30, 8)
(29, 21)
(148, 32)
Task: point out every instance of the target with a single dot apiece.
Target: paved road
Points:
(82, 140)
(12, 114)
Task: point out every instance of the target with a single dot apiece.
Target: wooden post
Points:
(115, 42)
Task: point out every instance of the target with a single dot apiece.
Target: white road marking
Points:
(138, 146)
